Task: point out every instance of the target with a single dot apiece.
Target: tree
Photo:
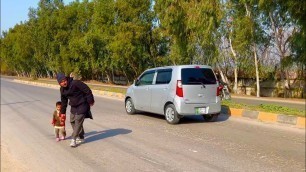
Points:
(192, 29)
(284, 25)
(236, 32)
(133, 25)
(245, 35)
(44, 33)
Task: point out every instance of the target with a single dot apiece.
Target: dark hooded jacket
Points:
(79, 95)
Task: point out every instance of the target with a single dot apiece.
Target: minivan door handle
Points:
(165, 88)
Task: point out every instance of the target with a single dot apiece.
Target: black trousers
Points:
(77, 125)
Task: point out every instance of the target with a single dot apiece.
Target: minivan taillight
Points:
(179, 88)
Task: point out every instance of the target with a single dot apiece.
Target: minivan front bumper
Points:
(190, 109)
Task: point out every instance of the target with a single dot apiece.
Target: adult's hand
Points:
(63, 117)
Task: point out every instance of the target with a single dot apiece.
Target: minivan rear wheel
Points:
(171, 114)
(210, 117)
(129, 106)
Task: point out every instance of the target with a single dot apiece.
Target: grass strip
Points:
(266, 108)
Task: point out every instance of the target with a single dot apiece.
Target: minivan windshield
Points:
(198, 76)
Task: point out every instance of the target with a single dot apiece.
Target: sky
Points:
(15, 11)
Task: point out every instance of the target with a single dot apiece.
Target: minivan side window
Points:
(146, 78)
(163, 76)
(198, 76)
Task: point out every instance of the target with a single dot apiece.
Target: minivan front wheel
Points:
(210, 117)
(129, 106)
(171, 114)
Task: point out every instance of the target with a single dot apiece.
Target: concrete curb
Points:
(268, 117)
(299, 122)
(95, 92)
(37, 83)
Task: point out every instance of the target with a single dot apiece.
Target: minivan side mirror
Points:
(136, 82)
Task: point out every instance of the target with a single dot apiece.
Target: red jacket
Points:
(58, 120)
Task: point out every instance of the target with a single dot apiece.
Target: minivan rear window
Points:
(198, 76)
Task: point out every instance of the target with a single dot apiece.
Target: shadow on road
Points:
(199, 119)
(152, 115)
(99, 135)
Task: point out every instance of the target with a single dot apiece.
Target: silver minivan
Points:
(176, 91)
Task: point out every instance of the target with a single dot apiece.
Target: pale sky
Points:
(15, 11)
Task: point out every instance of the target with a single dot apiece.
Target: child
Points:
(58, 122)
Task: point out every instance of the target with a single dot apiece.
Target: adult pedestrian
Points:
(80, 99)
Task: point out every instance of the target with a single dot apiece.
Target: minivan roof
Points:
(180, 66)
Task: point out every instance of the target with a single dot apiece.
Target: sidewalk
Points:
(291, 100)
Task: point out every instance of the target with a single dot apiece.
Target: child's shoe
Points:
(63, 138)
(57, 139)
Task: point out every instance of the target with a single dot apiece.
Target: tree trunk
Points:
(257, 72)
(48, 73)
(113, 76)
(223, 77)
(235, 68)
(304, 84)
(288, 88)
(126, 76)
(109, 77)
(236, 80)
(17, 73)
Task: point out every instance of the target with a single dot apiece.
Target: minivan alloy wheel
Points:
(171, 115)
(129, 106)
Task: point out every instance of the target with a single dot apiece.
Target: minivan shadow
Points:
(200, 119)
(151, 115)
(194, 118)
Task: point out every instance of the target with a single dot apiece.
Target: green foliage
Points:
(288, 18)
(192, 28)
(297, 10)
(125, 37)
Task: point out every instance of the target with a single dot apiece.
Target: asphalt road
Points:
(116, 141)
